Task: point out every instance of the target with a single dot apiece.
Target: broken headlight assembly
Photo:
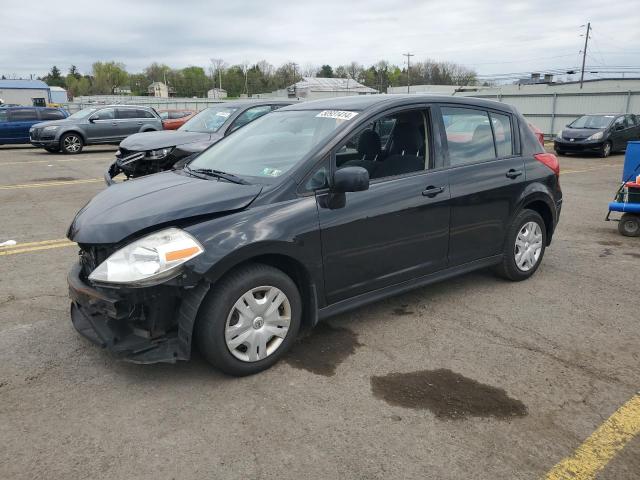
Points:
(148, 260)
(158, 154)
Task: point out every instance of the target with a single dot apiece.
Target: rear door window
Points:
(23, 115)
(3, 116)
(469, 135)
(51, 114)
(502, 132)
(127, 113)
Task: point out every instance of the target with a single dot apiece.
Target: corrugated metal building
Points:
(550, 106)
(24, 92)
(314, 88)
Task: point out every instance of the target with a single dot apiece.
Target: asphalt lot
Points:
(544, 363)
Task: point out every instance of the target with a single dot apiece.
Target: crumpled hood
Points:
(139, 142)
(134, 205)
(580, 132)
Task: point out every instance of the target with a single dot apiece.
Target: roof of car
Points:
(366, 102)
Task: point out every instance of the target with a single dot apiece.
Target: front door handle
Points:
(432, 191)
(514, 173)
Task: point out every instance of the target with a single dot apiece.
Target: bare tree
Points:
(309, 70)
(217, 69)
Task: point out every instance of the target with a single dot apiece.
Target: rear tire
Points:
(237, 331)
(629, 225)
(71, 143)
(524, 247)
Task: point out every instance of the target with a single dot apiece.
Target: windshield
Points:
(209, 120)
(272, 144)
(84, 113)
(592, 121)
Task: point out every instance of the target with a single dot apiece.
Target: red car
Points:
(174, 119)
(538, 133)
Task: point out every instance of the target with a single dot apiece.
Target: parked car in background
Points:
(174, 119)
(538, 133)
(94, 125)
(310, 211)
(15, 122)
(600, 134)
(148, 153)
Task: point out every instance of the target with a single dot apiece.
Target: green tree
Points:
(195, 82)
(54, 78)
(73, 71)
(108, 76)
(325, 71)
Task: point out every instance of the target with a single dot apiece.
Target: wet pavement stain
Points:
(323, 349)
(609, 243)
(632, 254)
(402, 311)
(447, 394)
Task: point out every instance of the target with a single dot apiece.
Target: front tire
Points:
(605, 150)
(249, 320)
(629, 225)
(71, 143)
(560, 153)
(524, 246)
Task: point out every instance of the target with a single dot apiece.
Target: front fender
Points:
(289, 228)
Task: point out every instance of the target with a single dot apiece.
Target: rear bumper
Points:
(139, 325)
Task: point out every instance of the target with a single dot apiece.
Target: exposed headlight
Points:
(51, 128)
(159, 154)
(149, 260)
(596, 136)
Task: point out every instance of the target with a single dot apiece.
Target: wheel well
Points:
(300, 276)
(545, 212)
(76, 132)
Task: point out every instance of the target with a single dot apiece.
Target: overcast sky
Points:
(489, 36)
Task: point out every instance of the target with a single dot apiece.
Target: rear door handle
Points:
(513, 173)
(432, 191)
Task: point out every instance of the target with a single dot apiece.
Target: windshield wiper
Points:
(218, 174)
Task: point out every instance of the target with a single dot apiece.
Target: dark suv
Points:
(94, 125)
(312, 210)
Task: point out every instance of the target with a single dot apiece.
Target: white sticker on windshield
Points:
(223, 114)
(337, 114)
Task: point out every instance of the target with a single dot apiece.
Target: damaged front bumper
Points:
(140, 325)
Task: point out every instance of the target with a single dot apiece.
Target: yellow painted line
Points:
(603, 444)
(32, 244)
(46, 161)
(564, 172)
(50, 184)
(35, 249)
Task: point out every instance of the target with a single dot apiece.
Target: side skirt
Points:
(376, 295)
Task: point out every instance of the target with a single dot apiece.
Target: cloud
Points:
(491, 36)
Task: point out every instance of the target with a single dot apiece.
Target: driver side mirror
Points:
(92, 119)
(618, 126)
(351, 179)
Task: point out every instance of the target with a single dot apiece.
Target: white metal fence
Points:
(552, 111)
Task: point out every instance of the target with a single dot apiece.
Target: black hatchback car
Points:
(312, 210)
(601, 134)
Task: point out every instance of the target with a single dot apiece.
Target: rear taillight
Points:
(550, 160)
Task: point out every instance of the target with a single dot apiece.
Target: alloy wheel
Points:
(528, 246)
(258, 323)
(72, 144)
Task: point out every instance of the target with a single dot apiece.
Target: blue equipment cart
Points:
(627, 198)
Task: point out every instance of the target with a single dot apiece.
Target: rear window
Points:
(23, 114)
(469, 135)
(51, 114)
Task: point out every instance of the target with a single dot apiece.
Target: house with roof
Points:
(25, 92)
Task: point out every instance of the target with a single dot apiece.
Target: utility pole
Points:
(584, 53)
(408, 55)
